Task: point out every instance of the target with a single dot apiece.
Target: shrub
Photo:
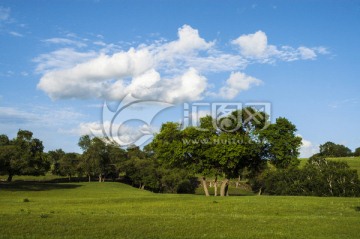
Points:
(318, 177)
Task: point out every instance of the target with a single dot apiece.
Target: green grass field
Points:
(115, 210)
(353, 162)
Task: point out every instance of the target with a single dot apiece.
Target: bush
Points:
(319, 177)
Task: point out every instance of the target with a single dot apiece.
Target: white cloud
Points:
(38, 116)
(255, 46)
(113, 76)
(306, 53)
(65, 41)
(4, 13)
(188, 43)
(10, 115)
(63, 58)
(307, 148)
(236, 83)
(125, 134)
(172, 71)
(16, 34)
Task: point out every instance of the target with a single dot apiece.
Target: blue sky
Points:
(60, 60)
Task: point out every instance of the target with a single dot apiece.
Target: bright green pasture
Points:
(115, 210)
(353, 162)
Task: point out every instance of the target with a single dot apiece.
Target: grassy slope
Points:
(353, 162)
(114, 210)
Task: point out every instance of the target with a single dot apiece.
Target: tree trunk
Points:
(205, 186)
(142, 187)
(224, 188)
(99, 178)
(260, 191)
(215, 187)
(9, 179)
(89, 178)
(69, 178)
(238, 182)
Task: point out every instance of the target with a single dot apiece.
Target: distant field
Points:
(115, 210)
(353, 162)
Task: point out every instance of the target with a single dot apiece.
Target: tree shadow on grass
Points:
(35, 186)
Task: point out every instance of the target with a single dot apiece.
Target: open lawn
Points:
(115, 210)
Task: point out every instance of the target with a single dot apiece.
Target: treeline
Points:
(101, 160)
(243, 143)
(332, 150)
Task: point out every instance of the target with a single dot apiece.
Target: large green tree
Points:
(100, 157)
(330, 149)
(69, 164)
(22, 155)
(218, 147)
(281, 143)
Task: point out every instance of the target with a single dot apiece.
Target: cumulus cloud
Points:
(172, 71)
(307, 148)
(236, 83)
(61, 59)
(114, 76)
(255, 46)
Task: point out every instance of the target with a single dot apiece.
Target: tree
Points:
(319, 177)
(357, 152)
(281, 144)
(22, 156)
(99, 157)
(69, 165)
(54, 158)
(330, 149)
(183, 150)
(219, 147)
(237, 145)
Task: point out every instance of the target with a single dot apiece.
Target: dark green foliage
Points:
(357, 152)
(281, 144)
(318, 177)
(100, 158)
(69, 164)
(148, 173)
(228, 145)
(142, 173)
(22, 156)
(54, 158)
(330, 149)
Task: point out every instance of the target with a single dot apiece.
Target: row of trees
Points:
(101, 158)
(319, 177)
(243, 141)
(330, 149)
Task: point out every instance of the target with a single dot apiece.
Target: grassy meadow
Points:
(353, 162)
(115, 210)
